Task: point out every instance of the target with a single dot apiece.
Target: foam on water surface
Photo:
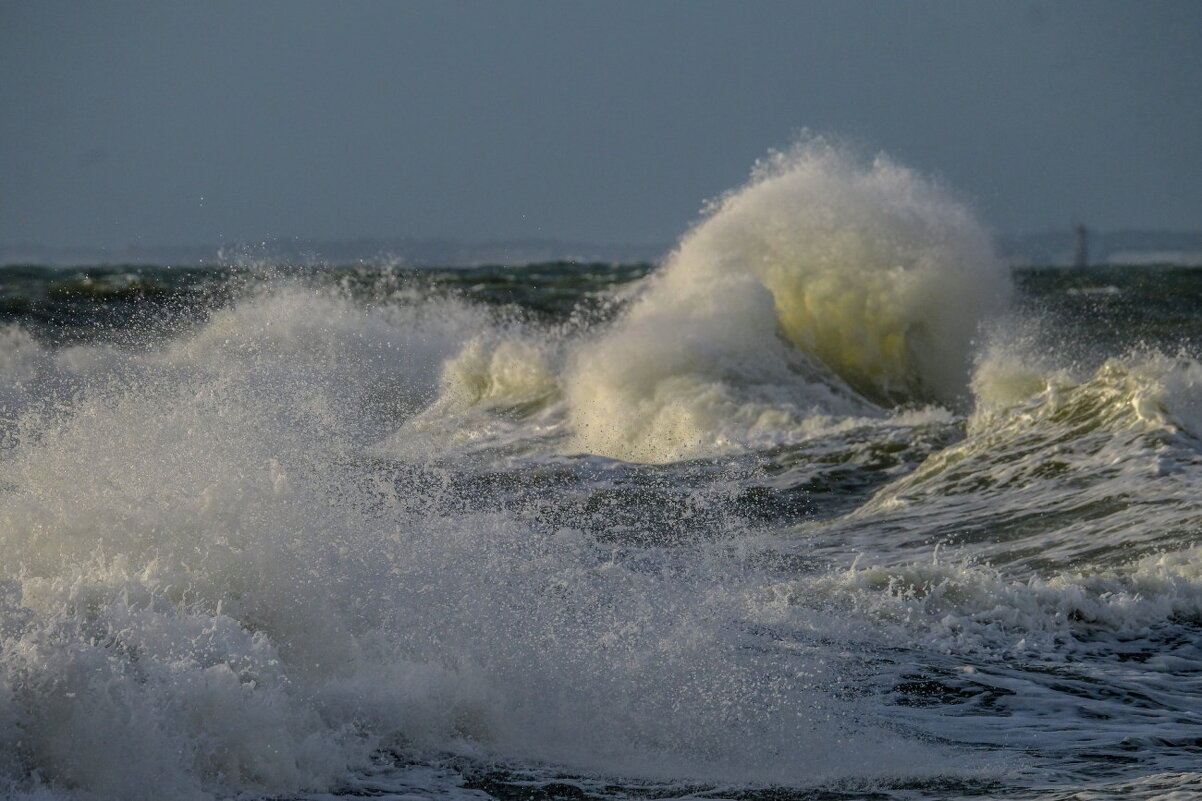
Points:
(764, 521)
(210, 590)
(823, 288)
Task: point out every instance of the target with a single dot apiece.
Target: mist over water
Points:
(823, 505)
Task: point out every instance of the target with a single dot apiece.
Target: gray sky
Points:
(209, 122)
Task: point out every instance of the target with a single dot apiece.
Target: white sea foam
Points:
(817, 296)
(1121, 434)
(966, 608)
(270, 555)
(502, 388)
(209, 589)
(819, 275)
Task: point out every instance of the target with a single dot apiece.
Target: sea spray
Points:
(824, 287)
(214, 586)
(361, 530)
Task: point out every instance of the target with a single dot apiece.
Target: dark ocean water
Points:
(830, 505)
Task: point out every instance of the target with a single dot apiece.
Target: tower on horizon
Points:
(1081, 252)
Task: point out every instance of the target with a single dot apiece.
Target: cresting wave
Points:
(824, 288)
(1125, 435)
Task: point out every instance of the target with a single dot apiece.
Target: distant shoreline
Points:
(401, 252)
(1046, 249)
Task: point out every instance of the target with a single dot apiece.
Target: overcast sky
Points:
(612, 122)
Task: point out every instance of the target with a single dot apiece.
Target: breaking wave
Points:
(824, 287)
(309, 536)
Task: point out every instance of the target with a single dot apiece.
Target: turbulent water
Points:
(829, 505)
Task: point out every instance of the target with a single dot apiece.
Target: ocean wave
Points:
(746, 523)
(214, 584)
(822, 288)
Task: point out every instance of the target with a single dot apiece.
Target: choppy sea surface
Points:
(830, 505)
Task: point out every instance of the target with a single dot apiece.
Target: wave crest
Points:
(821, 275)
